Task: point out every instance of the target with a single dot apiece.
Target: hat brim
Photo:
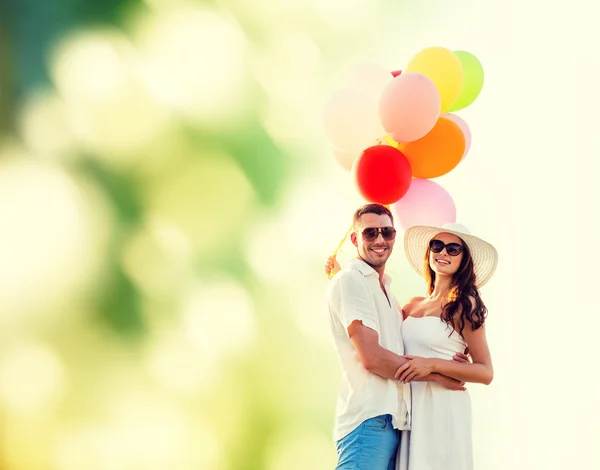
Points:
(416, 242)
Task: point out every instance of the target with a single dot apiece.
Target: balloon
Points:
(395, 73)
(345, 159)
(464, 127)
(409, 107)
(425, 203)
(382, 174)
(371, 79)
(438, 152)
(390, 141)
(444, 69)
(473, 80)
(350, 120)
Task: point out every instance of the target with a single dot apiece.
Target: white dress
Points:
(440, 436)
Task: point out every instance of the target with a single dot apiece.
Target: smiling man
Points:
(365, 321)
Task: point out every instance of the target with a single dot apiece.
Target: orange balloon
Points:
(438, 152)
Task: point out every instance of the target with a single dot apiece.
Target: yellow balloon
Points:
(391, 141)
(443, 68)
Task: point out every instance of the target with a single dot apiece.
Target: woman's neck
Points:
(441, 288)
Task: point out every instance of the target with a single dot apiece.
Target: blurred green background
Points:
(161, 285)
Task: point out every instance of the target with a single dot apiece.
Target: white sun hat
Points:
(416, 242)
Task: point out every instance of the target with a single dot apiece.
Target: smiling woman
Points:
(455, 316)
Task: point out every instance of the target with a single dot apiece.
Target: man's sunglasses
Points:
(371, 233)
(453, 249)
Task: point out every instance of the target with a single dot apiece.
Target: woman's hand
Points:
(416, 368)
(332, 267)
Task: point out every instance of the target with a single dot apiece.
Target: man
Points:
(365, 321)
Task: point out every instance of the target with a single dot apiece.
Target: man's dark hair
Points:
(378, 209)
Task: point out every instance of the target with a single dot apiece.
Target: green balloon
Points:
(472, 81)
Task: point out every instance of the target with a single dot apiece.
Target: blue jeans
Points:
(371, 446)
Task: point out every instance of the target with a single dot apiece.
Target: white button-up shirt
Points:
(355, 294)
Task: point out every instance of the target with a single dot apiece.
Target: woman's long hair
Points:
(459, 309)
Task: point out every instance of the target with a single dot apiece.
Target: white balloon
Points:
(351, 120)
(371, 79)
(345, 159)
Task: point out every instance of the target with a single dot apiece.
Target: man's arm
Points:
(371, 354)
(383, 362)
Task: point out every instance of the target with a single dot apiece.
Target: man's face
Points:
(375, 252)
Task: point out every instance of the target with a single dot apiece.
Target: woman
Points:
(452, 315)
(449, 318)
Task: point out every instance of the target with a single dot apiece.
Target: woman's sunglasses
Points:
(371, 233)
(453, 249)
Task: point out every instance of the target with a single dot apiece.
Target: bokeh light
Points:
(219, 320)
(49, 238)
(32, 379)
(195, 62)
(98, 75)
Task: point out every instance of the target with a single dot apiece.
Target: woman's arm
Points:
(480, 371)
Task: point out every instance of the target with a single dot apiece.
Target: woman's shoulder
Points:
(410, 305)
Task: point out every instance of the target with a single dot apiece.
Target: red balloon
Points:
(395, 73)
(382, 174)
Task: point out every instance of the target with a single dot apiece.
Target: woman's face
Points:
(442, 262)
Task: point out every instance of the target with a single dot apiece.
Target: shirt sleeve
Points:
(353, 301)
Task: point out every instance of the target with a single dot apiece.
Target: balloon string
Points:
(343, 240)
(331, 273)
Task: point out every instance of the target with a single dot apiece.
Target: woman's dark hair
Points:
(464, 302)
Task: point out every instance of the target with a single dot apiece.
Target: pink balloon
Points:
(425, 203)
(464, 127)
(409, 107)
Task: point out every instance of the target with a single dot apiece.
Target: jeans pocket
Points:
(378, 422)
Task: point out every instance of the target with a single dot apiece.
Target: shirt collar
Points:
(359, 265)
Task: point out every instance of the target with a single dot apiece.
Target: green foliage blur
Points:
(161, 287)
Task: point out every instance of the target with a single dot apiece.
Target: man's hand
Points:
(449, 383)
(332, 267)
(416, 368)
(464, 358)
